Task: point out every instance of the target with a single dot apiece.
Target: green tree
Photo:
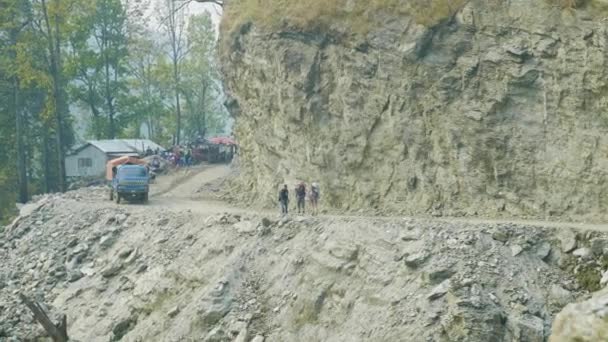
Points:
(173, 22)
(99, 59)
(201, 86)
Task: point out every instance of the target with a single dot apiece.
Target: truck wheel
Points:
(117, 196)
(111, 195)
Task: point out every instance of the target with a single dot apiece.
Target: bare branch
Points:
(57, 332)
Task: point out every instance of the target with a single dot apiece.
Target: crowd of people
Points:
(177, 156)
(301, 193)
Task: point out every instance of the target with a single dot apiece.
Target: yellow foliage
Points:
(357, 14)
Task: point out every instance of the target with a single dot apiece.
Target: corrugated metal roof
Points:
(122, 146)
(141, 145)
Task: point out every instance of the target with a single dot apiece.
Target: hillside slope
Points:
(499, 109)
(189, 272)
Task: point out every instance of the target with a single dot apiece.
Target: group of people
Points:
(179, 156)
(300, 193)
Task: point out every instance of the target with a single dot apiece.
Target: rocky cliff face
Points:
(501, 109)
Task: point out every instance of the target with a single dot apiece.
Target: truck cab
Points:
(130, 182)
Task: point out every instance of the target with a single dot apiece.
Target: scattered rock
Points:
(439, 290)
(543, 250)
(141, 269)
(245, 227)
(243, 336)
(111, 270)
(258, 338)
(266, 222)
(107, 241)
(528, 328)
(599, 246)
(75, 276)
(161, 241)
(173, 312)
(567, 238)
(560, 296)
(416, 259)
(500, 235)
(583, 253)
(162, 221)
(122, 328)
(516, 250)
(604, 280)
(125, 253)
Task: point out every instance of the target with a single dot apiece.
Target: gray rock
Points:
(266, 222)
(516, 250)
(603, 281)
(75, 275)
(162, 222)
(130, 259)
(107, 241)
(560, 296)
(141, 269)
(245, 227)
(416, 259)
(243, 336)
(528, 328)
(173, 312)
(122, 328)
(120, 218)
(583, 253)
(258, 338)
(568, 241)
(501, 235)
(125, 253)
(217, 334)
(439, 291)
(543, 250)
(599, 246)
(111, 270)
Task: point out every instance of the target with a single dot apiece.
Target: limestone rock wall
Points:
(499, 111)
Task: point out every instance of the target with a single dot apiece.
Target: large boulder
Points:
(586, 321)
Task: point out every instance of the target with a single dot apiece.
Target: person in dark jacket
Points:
(284, 200)
(301, 197)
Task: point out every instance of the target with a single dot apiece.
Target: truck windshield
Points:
(132, 172)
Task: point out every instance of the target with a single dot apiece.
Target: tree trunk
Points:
(54, 46)
(46, 153)
(177, 104)
(21, 167)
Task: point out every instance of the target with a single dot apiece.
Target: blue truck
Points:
(130, 182)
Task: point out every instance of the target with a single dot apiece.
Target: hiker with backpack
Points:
(314, 198)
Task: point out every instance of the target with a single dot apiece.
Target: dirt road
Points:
(179, 191)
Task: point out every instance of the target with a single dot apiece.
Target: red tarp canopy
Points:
(222, 141)
(122, 161)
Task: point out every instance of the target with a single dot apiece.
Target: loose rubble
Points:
(142, 274)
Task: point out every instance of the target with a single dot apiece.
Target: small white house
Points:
(89, 160)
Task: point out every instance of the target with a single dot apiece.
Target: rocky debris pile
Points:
(137, 273)
(45, 250)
